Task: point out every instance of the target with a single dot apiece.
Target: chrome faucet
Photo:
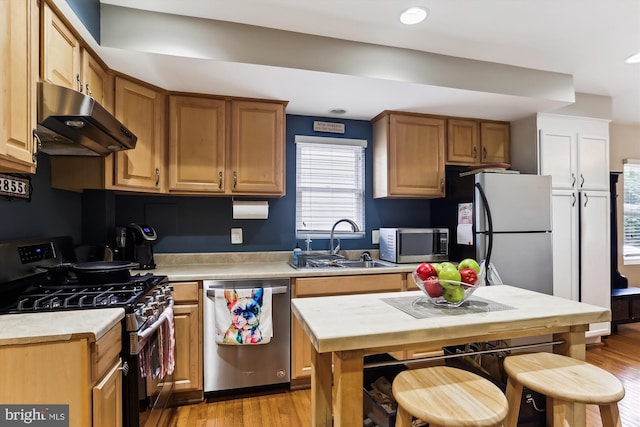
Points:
(354, 227)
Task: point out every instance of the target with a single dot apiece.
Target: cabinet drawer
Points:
(106, 351)
(185, 291)
(340, 285)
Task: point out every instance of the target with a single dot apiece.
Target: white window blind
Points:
(329, 185)
(631, 241)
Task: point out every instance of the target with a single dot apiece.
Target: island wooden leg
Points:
(321, 389)
(574, 346)
(348, 380)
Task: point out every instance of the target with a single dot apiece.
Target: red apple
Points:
(432, 287)
(469, 276)
(426, 270)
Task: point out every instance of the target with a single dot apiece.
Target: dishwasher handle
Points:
(274, 290)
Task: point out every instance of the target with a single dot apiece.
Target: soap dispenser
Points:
(296, 252)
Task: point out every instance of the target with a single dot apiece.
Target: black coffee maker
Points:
(138, 245)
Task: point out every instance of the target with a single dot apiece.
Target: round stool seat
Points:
(564, 378)
(445, 396)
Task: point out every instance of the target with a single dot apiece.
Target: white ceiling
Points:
(588, 39)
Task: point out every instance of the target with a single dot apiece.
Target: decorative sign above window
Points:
(14, 186)
(328, 127)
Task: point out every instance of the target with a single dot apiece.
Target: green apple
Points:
(454, 294)
(448, 275)
(437, 266)
(446, 264)
(469, 263)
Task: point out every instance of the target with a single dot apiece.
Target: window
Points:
(631, 243)
(329, 185)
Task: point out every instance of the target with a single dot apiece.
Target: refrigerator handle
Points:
(489, 233)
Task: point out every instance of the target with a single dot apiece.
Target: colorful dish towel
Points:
(243, 316)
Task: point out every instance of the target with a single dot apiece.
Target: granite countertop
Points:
(57, 326)
(253, 265)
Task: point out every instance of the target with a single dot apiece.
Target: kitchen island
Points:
(345, 328)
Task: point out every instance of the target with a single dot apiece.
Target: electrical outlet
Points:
(236, 236)
(375, 237)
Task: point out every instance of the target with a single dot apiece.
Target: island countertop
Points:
(350, 322)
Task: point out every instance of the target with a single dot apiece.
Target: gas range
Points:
(76, 296)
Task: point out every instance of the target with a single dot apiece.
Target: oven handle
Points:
(274, 291)
(155, 325)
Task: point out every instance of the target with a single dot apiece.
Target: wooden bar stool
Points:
(564, 381)
(445, 396)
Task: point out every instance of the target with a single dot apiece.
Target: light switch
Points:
(236, 236)
(375, 237)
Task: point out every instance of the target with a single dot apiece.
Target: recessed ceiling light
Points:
(633, 59)
(414, 15)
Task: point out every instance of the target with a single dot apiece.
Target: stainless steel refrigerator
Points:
(513, 226)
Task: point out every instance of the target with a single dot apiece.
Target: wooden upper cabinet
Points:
(257, 149)
(197, 135)
(96, 81)
(408, 156)
(142, 110)
(60, 51)
(471, 142)
(18, 76)
(495, 142)
(463, 141)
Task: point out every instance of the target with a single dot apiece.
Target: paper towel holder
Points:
(250, 209)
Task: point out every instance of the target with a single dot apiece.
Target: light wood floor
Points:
(618, 354)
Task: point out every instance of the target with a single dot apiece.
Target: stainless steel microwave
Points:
(408, 245)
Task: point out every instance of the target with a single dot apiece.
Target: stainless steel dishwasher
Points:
(228, 367)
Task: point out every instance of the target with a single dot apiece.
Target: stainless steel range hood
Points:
(71, 123)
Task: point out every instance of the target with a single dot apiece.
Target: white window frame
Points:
(328, 208)
(631, 210)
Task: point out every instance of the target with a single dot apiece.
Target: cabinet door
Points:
(107, 399)
(494, 143)
(595, 279)
(463, 140)
(96, 81)
(416, 156)
(565, 244)
(196, 144)
(142, 110)
(187, 375)
(60, 52)
(18, 75)
(257, 150)
(558, 158)
(593, 162)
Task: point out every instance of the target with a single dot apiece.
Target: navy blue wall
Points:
(89, 13)
(198, 224)
(49, 213)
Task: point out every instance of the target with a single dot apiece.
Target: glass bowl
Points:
(447, 293)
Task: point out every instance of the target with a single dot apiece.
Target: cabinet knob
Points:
(484, 153)
(573, 179)
(475, 153)
(573, 203)
(79, 82)
(38, 146)
(235, 179)
(442, 185)
(157, 177)
(581, 180)
(220, 180)
(586, 199)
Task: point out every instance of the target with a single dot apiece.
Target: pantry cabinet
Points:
(18, 76)
(331, 285)
(574, 151)
(81, 372)
(187, 375)
(472, 142)
(408, 156)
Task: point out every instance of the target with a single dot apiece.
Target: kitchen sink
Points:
(338, 262)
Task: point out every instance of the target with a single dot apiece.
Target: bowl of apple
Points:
(448, 285)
